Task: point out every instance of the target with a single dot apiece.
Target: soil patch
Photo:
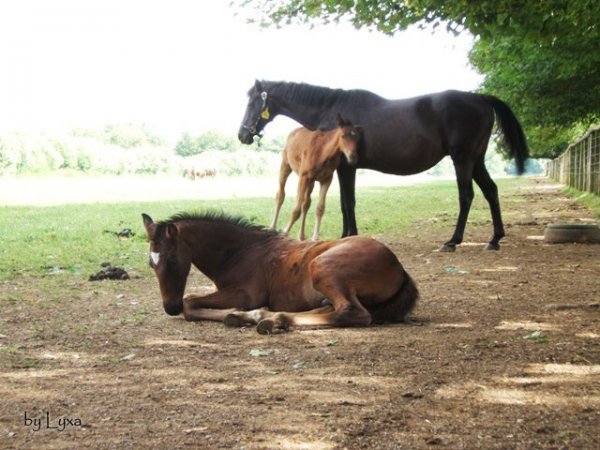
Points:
(496, 364)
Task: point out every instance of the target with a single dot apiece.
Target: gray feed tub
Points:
(557, 233)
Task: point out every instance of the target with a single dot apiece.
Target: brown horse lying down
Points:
(264, 278)
(314, 156)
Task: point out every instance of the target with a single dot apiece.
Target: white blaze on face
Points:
(155, 258)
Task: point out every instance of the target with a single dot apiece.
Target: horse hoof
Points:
(233, 320)
(491, 246)
(448, 248)
(265, 326)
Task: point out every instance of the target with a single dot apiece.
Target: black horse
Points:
(401, 137)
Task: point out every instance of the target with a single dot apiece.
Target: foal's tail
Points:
(512, 131)
(396, 308)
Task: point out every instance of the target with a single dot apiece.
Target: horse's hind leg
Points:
(331, 280)
(490, 192)
(464, 179)
(284, 173)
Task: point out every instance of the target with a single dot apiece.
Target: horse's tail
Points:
(397, 307)
(512, 131)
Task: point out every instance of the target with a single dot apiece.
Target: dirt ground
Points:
(507, 356)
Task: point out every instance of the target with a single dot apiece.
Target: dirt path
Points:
(507, 357)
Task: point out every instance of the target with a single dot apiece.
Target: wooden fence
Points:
(579, 165)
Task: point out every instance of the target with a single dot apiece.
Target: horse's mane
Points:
(219, 217)
(304, 92)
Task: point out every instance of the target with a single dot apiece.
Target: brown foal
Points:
(314, 156)
(264, 278)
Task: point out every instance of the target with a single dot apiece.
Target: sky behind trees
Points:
(186, 65)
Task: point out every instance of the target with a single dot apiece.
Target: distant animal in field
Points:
(264, 278)
(401, 137)
(192, 173)
(314, 156)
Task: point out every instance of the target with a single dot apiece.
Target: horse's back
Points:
(409, 136)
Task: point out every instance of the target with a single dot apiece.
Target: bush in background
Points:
(130, 149)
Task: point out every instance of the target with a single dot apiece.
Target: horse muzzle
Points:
(173, 308)
(245, 136)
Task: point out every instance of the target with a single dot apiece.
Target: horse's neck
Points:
(332, 145)
(318, 110)
(308, 113)
(209, 244)
(214, 246)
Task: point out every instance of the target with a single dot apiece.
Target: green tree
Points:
(540, 56)
(131, 135)
(545, 19)
(214, 140)
(186, 146)
(189, 145)
(553, 86)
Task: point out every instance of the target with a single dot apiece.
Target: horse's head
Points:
(349, 137)
(171, 261)
(257, 114)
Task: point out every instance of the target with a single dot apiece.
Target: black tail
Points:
(396, 309)
(512, 131)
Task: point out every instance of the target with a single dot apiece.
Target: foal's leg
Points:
(490, 192)
(215, 306)
(332, 279)
(284, 172)
(321, 206)
(305, 207)
(302, 186)
(464, 179)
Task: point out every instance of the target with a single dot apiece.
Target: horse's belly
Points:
(403, 154)
(292, 289)
(295, 298)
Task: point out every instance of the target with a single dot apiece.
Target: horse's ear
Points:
(258, 85)
(171, 232)
(148, 224)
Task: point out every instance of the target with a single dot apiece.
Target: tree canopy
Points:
(539, 56)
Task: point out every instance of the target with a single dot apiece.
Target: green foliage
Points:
(540, 57)
(34, 153)
(186, 146)
(189, 145)
(131, 135)
(554, 87)
(273, 144)
(538, 20)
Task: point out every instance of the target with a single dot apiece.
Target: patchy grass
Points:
(74, 240)
(586, 198)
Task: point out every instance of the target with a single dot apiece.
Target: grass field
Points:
(76, 238)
